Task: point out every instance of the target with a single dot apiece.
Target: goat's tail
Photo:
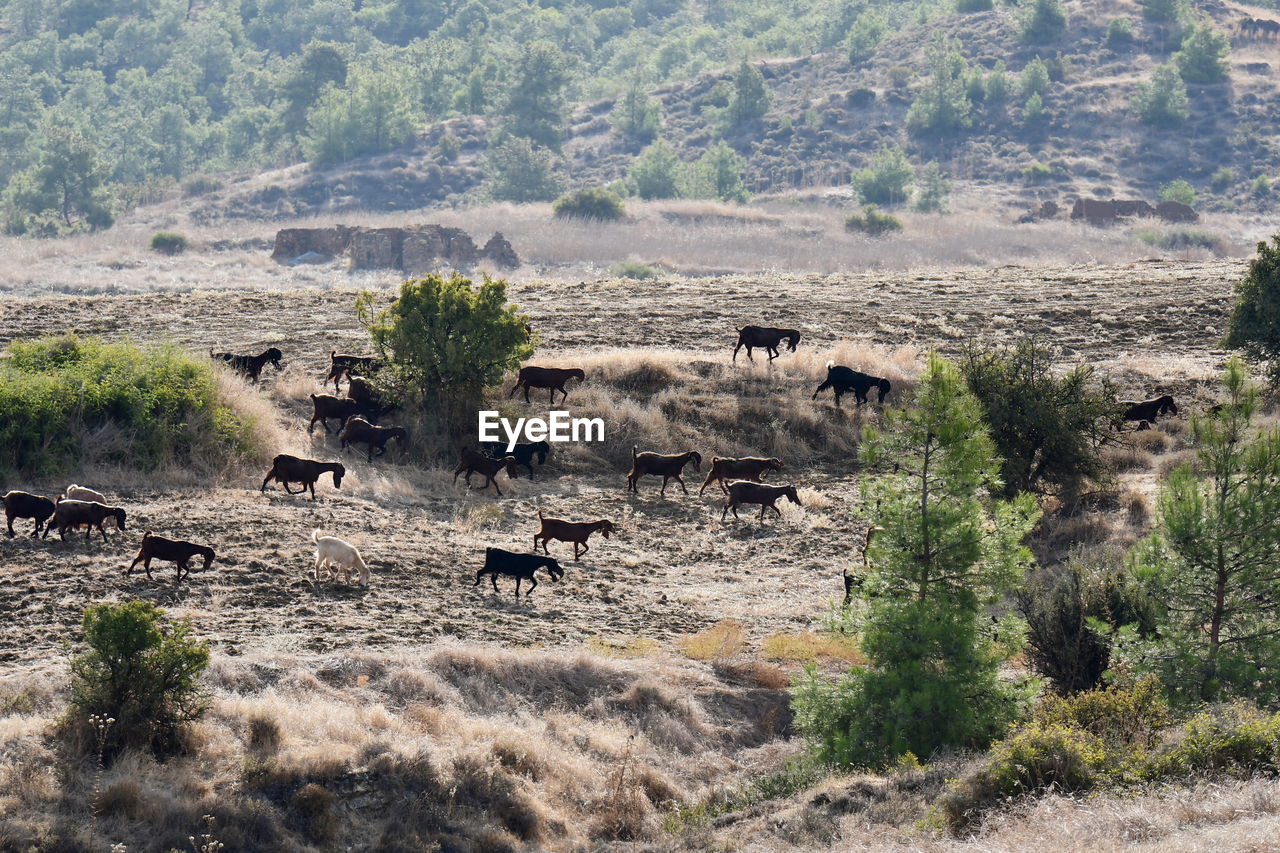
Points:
(332, 353)
(210, 352)
(831, 363)
(634, 451)
(315, 535)
(539, 513)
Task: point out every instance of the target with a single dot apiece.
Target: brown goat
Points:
(475, 462)
(551, 378)
(286, 469)
(344, 364)
(747, 492)
(326, 407)
(172, 551)
(68, 515)
(360, 431)
(724, 468)
(576, 532)
(666, 467)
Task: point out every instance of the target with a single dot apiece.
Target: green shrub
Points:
(141, 672)
(1184, 238)
(1179, 191)
(865, 34)
(1119, 32)
(595, 203)
(449, 147)
(1131, 718)
(200, 185)
(1033, 111)
(656, 172)
(900, 76)
(520, 171)
(1202, 57)
(637, 116)
(942, 106)
(1037, 171)
(1236, 740)
(1162, 102)
(997, 85)
(169, 243)
(965, 7)
(717, 174)
(934, 188)
(637, 270)
(75, 401)
(873, 222)
(1164, 11)
(1043, 21)
(1034, 78)
(1222, 179)
(1261, 187)
(886, 181)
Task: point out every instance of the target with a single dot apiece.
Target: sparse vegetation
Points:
(942, 106)
(596, 203)
(168, 243)
(887, 180)
(872, 221)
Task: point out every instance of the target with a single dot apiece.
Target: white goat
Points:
(84, 493)
(340, 557)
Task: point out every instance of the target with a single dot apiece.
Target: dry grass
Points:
(811, 646)
(723, 640)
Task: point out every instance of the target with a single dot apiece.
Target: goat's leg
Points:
(369, 458)
(665, 477)
(526, 393)
(182, 568)
(533, 582)
(725, 511)
(267, 479)
(772, 351)
(735, 350)
(9, 516)
(585, 548)
(514, 389)
(680, 480)
(518, 579)
(551, 394)
(312, 486)
(494, 577)
(479, 577)
(710, 477)
(493, 478)
(146, 565)
(774, 507)
(763, 506)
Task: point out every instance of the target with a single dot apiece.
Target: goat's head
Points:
(274, 355)
(398, 433)
(884, 389)
(696, 458)
(793, 339)
(553, 569)
(606, 527)
(119, 516)
(579, 374)
(510, 463)
(1167, 405)
(791, 495)
(774, 464)
(542, 449)
(339, 471)
(209, 556)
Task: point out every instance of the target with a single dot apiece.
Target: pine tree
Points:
(942, 106)
(751, 97)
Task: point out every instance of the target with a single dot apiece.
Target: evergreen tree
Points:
(887, 180)
(63, 191)
(535, 102)
(865, 35)
(320, 64)
(637, 116)
(1163, 101)
(1043, 21)
(717, 174)
(942, 107)
(1255, 321)
(1202, 58)
(521, 171)
(932, 190)
(751, 97)
(656, 172)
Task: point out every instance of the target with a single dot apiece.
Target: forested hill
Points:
(108, 103)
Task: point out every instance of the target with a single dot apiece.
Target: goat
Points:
(340, 557)
(326, 407)
(724, 468)
(842, 380)
(69, 514)
(576, 532)
(172, 551)
(1148, 410)
(287, 469)
(341, 364)
(360, 431)
(26, 505)
(747, 492)
(250, 365)
(473, 461)
(551, 378)
(667, 467)
(523, 453)
(767, 337)
(83, 493)
(852, 580)
(518, 566)
(369, 400)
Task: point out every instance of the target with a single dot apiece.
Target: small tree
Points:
(656, 172)
(445, 341)
(865, 35)
(970, 6)
(63, 191)
(1214, 560)
(1179, 191)
(887, 180)
(1164, 11)
(933, 188)
(947, 551)
(942, 107)
(1255, 321)
(1043, 21)
(750, 98)
(996, 86)
(1202, 58)
(637, 116)
(1119, 32)
(717, 174)
(140, 670)
(535, 102)
(596, 203)
(1034, 78)
(1033, 111)
(520, 171)
(1163, 101)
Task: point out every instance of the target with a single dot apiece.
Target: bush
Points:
(1164, 11)
(656, 172)
(934, 187)
(717, 174)
(1119, 32)
(1033, 111)
(1163, 101)
(1179, 191)
(942, 105)
(1034, 78)
(636, 270)
(597, 203)
(637, 116)
(141, 672)
(449, 147)
(169, 243)
(1036, 171)
(520, 171)
(1254, 326)
(997, 86)
(1261, 187)
(1129, 718)
(1043, 21)
(886, 181)
(1236, 740)
(1222, 179)
(76, 401)
(899, 76)
(751, 97)
(1062, 645)
(1202, 58)
(872, 222)
(968, 6)
(865, 34)
(1184, 238)
(200, 185)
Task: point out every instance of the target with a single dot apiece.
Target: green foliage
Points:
(141, 671)
(1062, 645)
(319, 64)
(1184, 238)
(1261, 187)
(1033, 112)
(1222, 179)
(1163, 101)
(887, 180)
(997, 85)
(969, 6)
(942, 106)
(872, 221)
(449, 146)
(1035, 171)
(1213, 560)
(1047, 424)
(1121, 718)
(72, 401)
(751, 97)
(63, 191)
(865, 35)
(717, 174)
(596, 203)
(900, 76)
(369, 115)
(1179, 191)
(445, 341)
(520, 171)
(169, 243)
(635, 270)
(535, 103)
(1164, 11)
(1119, 32)
(637, 116)
(932, 189)
(947, 552)
(1232, 740)
(656, 172)
(1202, 58)
(1255, 320)
(1034, 79)
(1042, 21)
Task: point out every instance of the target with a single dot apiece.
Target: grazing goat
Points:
(26, 505)
(68, 514)
(341, 364)
(360, 431)
(1148, 410)
(518, 566)
(250, 365)
(724, 468)
(576, 532)
(326, 407)
(551, 378)
(767, 337)
(172, 551)
(523, 453)
(747, 492)
(287, 469)
(854, 580)
(473, 462)
(83, 493)
(842, 380)
(340, 557)
(368, 399)
(666, 467)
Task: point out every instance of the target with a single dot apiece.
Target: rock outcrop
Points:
(415, 250)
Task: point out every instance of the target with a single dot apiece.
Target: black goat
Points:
(1148, 410)
(286, 469)
(767, 337)
(26, 505)
(360, 431)
(250, 365)
(345, 364)
(172, 551)
(523, 453)
(518, 566)
(842, 380)
(551, 378)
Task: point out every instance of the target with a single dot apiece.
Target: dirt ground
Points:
(672, 569)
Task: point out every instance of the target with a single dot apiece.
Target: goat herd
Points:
(740, 479)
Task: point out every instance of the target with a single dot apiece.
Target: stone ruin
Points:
(416, 250)
(1104, 212)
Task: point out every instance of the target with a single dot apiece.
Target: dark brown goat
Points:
(345, 364)
(360, 431)
(1148, 410)
(855, 580)
(724, 468)
(576, 532)
(666, 467)
(26, 505)
(250, 365)
(767, 337)
(369, 399)
(551, 378)
(68, 515)
(747, 492)
(286, 469)
(326, 407)
(171, 551)
(475, 462)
